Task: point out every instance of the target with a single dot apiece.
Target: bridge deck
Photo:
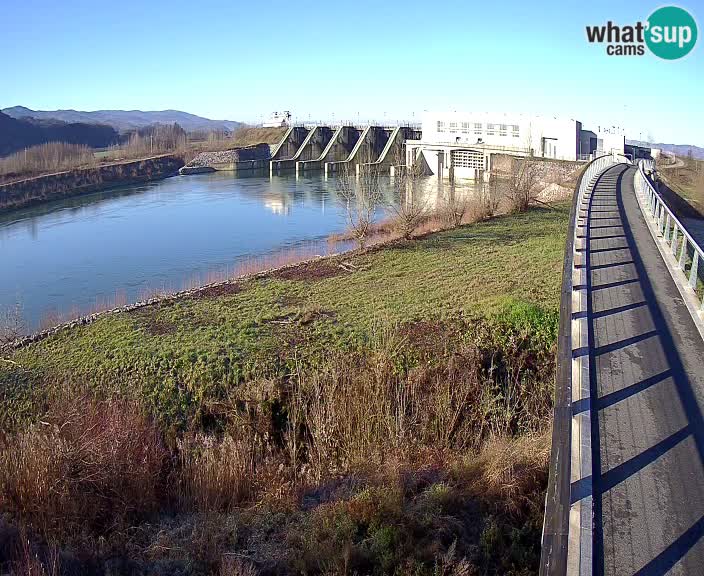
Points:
(646, 361)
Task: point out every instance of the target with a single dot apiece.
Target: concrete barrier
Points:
(312, 147)
(85, 180)
(339, 147)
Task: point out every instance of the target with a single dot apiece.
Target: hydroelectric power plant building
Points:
(456, 144)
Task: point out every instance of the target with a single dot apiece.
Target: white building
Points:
(278, 120)
(603, 140)
(462, 143)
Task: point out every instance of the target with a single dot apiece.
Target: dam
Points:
(306, 149)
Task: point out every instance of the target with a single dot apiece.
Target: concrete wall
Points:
(368, 148)
(311, 149)
(316, 144)
(340, 146)
(393, 153)
(291, 142)
(77, 182)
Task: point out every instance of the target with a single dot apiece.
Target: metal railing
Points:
(685, 253)
(596, 167)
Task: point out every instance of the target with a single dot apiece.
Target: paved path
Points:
(647, 379)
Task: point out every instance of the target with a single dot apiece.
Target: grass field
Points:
(687, 181)
(507, 268)
(380, 412)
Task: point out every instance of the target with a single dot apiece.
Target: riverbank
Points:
(683, 188)
(380, 411)
(50, 187)
(236, 160)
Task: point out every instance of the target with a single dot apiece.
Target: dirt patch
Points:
(309, 316)
(156, 326)
(288, 300)
(219, 290)
(313, 271)
(302, 317)
(429, 336)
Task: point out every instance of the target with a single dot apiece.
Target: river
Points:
(67, 258)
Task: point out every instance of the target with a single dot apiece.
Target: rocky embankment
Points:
(226, 159)
(81, 181)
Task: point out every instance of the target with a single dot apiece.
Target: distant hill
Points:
(678, 149)
(16, 134)
(126, 120)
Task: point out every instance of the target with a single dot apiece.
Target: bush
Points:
(214, 475)
(88, 465)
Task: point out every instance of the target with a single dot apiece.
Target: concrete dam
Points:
(306, 149)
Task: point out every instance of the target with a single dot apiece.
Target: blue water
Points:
(60, 259)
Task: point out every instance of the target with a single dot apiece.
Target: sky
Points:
(361, 60)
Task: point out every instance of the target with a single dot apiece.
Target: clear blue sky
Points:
(241, 60)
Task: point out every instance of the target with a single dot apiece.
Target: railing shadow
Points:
(603, 483)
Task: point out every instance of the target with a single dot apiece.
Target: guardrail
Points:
(682, 253)
(567, 527)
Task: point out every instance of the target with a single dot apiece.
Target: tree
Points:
(12, 326)
(410, 205)
(522, 184)
(361, 196)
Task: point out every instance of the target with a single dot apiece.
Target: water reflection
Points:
(117, 245)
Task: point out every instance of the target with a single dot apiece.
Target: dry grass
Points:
(49, 157)
(214, 474)
(233, 566)
(28, 559)
(87, 465)
(687, 180)
(242, 137)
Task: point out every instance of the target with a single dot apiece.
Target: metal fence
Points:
(684, 252)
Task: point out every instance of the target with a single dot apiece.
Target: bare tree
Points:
(523, 184)
(410, 205)
(489, 195)
(454, 207)
(361, 196)
(12, 325)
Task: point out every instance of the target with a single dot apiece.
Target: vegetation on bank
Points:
(380, 412)
(141, 144)
(686, 180)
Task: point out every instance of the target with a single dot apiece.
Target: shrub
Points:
(88, 464)
(214, 475)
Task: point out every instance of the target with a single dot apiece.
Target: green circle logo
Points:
(670, 32)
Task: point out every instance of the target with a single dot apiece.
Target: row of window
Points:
(468, 159)
(478, 128)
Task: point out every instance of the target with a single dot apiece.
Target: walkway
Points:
(646, 361)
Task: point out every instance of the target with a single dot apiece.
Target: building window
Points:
(468, 159)
(502, 129)
(478, 128)
(465, 127)
(490, 129)
(441, 126)
(453, 127)
(516, 131)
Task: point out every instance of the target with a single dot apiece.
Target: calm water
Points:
(64, 258)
